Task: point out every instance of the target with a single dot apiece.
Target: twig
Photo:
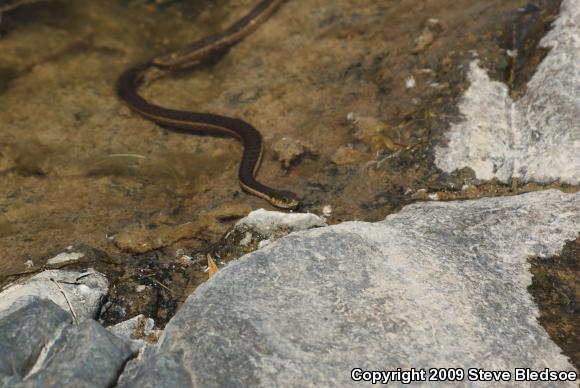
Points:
(84, 275)
(67, 301)
(159, 283)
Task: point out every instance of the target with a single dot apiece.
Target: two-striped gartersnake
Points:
(186, 121)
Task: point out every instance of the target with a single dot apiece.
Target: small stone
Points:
(246, 240)
(264, 243)
(185, 260)
(139, 239)
(433, 197)
(124, 111)
(347, 155)
(268, 223)
(290, 152)
(352, 118)
(424, 40)
(65, 257)
(432, 28)
(373, 133)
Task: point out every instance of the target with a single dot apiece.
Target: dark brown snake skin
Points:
(192, 122)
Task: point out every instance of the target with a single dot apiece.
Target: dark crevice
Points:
(523, 33)
(121, 370)
(556, 289)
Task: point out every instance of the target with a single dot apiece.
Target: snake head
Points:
(285, 200)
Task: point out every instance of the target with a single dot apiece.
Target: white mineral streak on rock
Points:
(536, 138)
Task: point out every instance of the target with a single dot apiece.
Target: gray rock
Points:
(86, 355)
(40, 348)
(437, 285)
(166, 371)
(25, 332)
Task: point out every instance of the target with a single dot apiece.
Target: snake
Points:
(132, 79)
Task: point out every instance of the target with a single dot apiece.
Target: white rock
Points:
(536, 138)
(65, 257)
(266, 222)
(84, 291)
(246, 240)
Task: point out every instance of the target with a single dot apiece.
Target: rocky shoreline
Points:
(439, 283)
(436, 285)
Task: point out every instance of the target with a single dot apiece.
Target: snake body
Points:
(192, 122)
